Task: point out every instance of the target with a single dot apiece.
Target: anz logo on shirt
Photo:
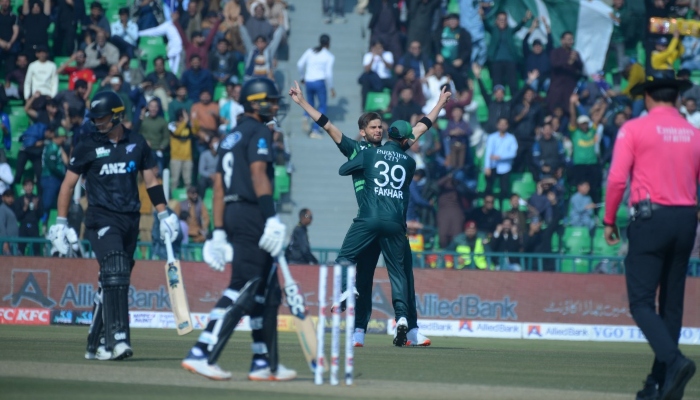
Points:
(118, 168)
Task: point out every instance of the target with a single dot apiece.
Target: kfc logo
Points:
(25, 316)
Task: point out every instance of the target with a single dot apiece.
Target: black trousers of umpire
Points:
(659, 250)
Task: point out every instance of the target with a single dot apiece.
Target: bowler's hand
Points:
(612, 235)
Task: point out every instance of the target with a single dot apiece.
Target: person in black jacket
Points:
(453, 48)
(299, 249)
(28, 210)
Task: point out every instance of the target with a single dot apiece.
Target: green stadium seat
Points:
(577, 240)
(576, 265)
(58, 61)
(241, 71)
(442, 124)
(601, 247)
(219, 91)
(377, 101)
(179, 194)
(208, 198)
(18, 124)
(282, 182)
(63, 85)
(196, 253)
(152, 47)
(623, 216)
(52, 218)
(555, 243)
(524, 188)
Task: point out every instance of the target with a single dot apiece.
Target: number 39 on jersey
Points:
(395, 177)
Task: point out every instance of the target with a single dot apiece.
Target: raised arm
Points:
(420, 127)
(297, 96)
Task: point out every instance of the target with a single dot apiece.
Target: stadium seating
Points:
(282, 182)
(179, 194)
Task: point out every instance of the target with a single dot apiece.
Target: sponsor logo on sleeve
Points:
(262, 147)
(230, 140)
(101, 152)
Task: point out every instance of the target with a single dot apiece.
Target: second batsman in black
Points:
(245, 224)
(110, 157)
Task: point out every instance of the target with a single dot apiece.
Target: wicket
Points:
(335, 324)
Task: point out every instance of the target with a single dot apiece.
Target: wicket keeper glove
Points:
(272, 238)
(57, 235)
(217, 251)
(169, 225)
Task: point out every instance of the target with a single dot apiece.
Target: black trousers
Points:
(504, 182)
(109, 231)
(32, 154)
(659, 250)
(505, 73)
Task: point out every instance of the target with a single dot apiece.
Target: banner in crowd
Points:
(548, 298)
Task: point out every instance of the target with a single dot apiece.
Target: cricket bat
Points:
(304, 325)
(176, 289)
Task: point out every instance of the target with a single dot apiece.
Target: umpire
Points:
(110, 157)
(661, 154)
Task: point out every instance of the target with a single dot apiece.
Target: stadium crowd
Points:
(516, 163)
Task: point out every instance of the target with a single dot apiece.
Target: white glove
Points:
(57, 235)
(217, 251)
(72, 238)
(272, 238)
(169, 224)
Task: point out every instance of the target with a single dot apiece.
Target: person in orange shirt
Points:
(206, 113)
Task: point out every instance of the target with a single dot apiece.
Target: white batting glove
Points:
(72, 238)
(169, 225)
(57, 235)
(272, 238)
(217, 251)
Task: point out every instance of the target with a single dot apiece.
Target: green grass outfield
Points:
(47, 363)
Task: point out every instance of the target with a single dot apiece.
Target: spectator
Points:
(450, 216)
(199, 45)
(9, 35)
(80, 71)
(420, 18)
(486, 217)
(432, 87)
(182, 131)
(666, 54)
(154, 129)
(5, 134)
(230, 108)
(334, 8)
(42, 109)
(116, 84)
(316, 71)
(207, 167)
(6, 177)
(29, 211)
(537, 58)
(95, 23)
(585, 140)
(181, 101)
(184, 228)
(197, 79)
(540, 202)
(18, 76)
(498, 107)
(527, 117)
(502, 53)
(257, 25)
(567, 68)
(634, 73)
(406, 108)
(539, 241)
(149, 14)
(35, 26)
(276, 14)
(610, 135)
(384, 26)
(414, 59)
(260, 55)
(456, 138)
(8, 220)
(54, 162)
(172, 35)
(518, 213)
(506, 240)
(453, 49)
(31, 149)
(694, 90)
(191, 19)
(548, 153)
(101, 55)
(408, 81)
(66, 26)
(690, 110)
(416, 200)
(299, 250)
(581, 208)
(198, 216)
(691, 57)
(162, 78)
(125, 33)
(501, 148)
(470, 19)
(377, 65)
(41, 75)
(470, 247)
(206, 113)
(223, 63)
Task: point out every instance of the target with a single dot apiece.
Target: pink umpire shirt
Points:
(661, 152)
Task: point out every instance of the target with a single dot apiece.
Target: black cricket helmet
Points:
(259, 90)
(104, 104)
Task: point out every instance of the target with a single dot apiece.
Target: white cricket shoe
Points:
(102, 354)
(358, 337)
(93, 356)
(343, 297)
(400, 336)
(261, 372)
(122, 351)
(200, 366)
(415, 338)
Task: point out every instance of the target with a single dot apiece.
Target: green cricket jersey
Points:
(351, 148)
(387, 172)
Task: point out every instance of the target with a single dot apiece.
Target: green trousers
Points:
(361, 246)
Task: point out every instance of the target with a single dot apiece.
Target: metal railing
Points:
(557, 262)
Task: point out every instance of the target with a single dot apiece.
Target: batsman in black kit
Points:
(245, 224)
(110, 157)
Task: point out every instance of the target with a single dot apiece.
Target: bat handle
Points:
(284, 267)
(169, 247)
